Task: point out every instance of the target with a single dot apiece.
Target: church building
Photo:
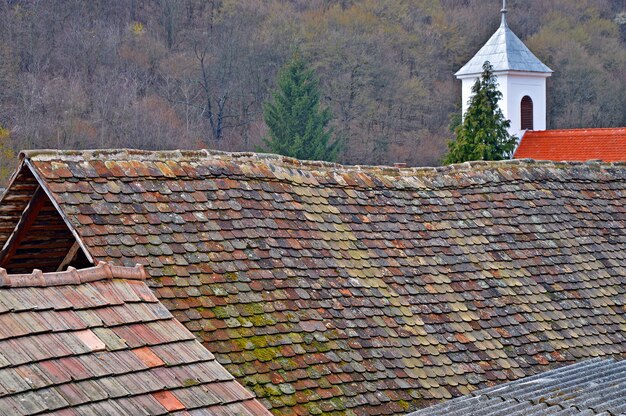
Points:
(521, 76)
(522, 79)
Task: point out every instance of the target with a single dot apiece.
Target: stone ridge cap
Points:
(48, 155)
(103, 271)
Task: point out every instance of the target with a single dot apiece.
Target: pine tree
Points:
(483, 135)
(298, 127)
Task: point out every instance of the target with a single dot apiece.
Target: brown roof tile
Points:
(352, 290)
(61, 358)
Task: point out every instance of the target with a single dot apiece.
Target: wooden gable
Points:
(36, 235)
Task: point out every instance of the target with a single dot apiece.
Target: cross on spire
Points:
(503, 11)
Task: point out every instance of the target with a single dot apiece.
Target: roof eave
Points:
(544, 74)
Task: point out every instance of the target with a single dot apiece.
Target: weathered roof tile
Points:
(70, 361)
(413, 284)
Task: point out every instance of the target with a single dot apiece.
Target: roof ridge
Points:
(284, 161)
(581, 129)
(506, 30)
(103, 271)
(162, 155)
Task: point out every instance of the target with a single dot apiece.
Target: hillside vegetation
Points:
(196, 73)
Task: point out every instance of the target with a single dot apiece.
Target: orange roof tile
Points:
(608, 145)
(148, 357)
(168, 400)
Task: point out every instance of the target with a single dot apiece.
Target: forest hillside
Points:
(160, 74)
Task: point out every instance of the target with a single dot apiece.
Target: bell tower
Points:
(521, 77)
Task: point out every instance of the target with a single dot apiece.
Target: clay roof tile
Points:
(397, 286)
(608, 145)
(61, 360)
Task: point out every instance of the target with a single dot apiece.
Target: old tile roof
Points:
(593, 387)
(354, 290)
(608, 145)
(98, 342)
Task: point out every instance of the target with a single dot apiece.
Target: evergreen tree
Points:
(298, 127)
(483, 135)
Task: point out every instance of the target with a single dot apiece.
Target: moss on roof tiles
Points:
(363, 290)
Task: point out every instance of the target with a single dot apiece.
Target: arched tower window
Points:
(527, 113)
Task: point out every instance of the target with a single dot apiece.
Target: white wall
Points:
(519, 86)
(466, 94)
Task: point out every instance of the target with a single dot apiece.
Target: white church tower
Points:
(521, 76)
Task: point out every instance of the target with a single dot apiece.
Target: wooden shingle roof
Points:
(97, 341)
(354, 290)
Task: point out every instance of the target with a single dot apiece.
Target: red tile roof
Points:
(97, 341)
(608, 145)
(356, 290)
